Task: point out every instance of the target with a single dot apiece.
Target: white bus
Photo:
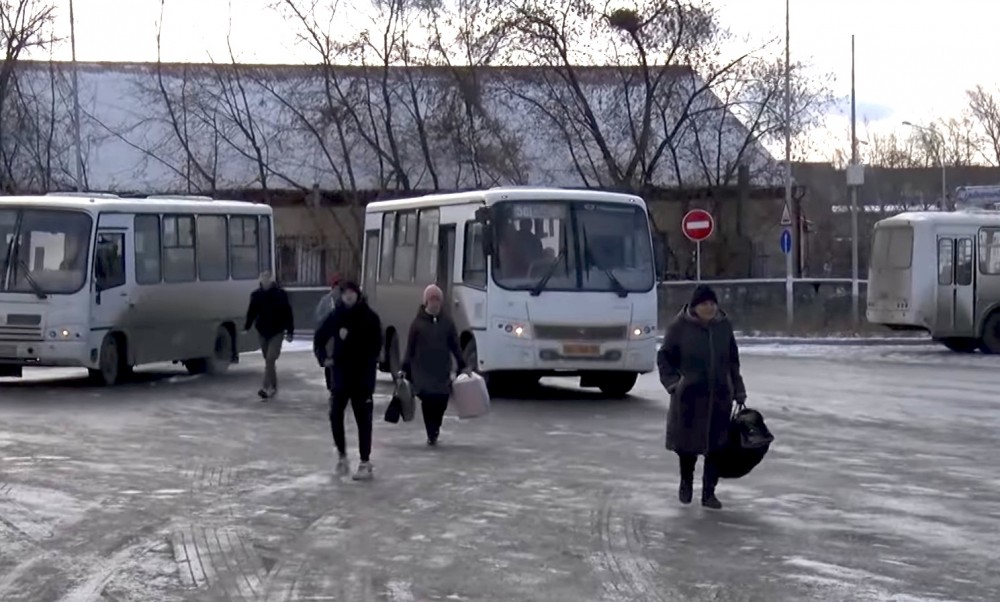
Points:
(108, 283)
(540, 281)
(940, 273)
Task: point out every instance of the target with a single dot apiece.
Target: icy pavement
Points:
(881, 486)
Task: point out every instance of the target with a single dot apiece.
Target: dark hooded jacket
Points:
(270, 311)
(699, 365)
(432, 342)
(356, 332)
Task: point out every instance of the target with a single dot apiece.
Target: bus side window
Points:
(213, 250)
(404, 258)
(989, 251)
(243, 250)
(178, 248)
(264, 264)
(147, 249)
(109, 261)
(388, 246)
(427, 246)
(473, 258)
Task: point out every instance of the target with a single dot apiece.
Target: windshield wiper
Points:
(616, 284)
(537, 290)
(6, 260)
(30, 280)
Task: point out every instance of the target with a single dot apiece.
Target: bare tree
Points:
(625, 125)
(984, 111)
(751, 117)
(25, 27)
(466, 37)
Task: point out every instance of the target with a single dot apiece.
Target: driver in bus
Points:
(519, 249)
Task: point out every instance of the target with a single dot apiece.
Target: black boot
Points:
(686, 491)
(709, 479)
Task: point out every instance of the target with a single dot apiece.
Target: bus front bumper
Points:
(67, 354)
(555, 357)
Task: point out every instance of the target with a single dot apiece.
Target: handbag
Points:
(748, 442)
(403, 395)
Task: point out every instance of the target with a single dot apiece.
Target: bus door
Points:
(113, 269)
(956, 296)
(446, 258)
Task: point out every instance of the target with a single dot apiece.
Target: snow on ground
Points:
(173, 489)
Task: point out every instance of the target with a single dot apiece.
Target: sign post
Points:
(697, 225)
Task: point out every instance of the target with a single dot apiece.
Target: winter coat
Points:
(356, 332)
(431, 344)
(270, 311)
(699, 365)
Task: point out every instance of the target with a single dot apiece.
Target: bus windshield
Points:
(572, 246)
(892, 248)
(44, 250)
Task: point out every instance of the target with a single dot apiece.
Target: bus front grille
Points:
(17, 334)
(580, 333)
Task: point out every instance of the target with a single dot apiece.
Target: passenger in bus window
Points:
(356, 332)
(699, 365)
(271, 313)
(430, 347)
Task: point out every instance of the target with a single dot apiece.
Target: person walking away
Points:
(271, 313)
(324, 308)
(699, 365)
(430, 347)
(356, 332)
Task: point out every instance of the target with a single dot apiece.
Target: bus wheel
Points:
(991, 335)
(110, 362)
(222, 355)
(617, 384)
(961, 344)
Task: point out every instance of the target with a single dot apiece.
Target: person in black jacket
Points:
(356, 332)
(432, 343)
(699, 364)
(271, 312)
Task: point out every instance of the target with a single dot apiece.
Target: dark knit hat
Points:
(702, 293)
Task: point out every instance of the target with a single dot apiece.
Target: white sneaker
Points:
(343, 467)
(364, 472)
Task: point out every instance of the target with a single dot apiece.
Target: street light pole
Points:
(76, 100)
(855, 289)
(789, 284)
(944, 183)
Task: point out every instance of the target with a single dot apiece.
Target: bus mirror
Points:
(484, 215)
(659, 256)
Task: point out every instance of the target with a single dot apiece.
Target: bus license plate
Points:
(577, 350)
(8, 350)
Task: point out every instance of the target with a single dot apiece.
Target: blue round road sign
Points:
(786, 241)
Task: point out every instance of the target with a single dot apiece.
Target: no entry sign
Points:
(697, 225)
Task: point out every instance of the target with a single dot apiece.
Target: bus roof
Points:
(510, 193)
(104, 202)
(956, 218)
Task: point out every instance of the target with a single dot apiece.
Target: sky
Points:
(914, 58)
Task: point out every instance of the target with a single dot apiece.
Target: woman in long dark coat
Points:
(699, 365)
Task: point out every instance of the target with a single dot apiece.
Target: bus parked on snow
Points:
(539, 281)
(108, 283)
(940, 272)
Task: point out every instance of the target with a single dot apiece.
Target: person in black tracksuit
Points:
(271, 313)
(356, 332)
(430, 347)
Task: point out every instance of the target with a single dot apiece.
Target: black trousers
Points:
(361, 403)
(433, 408)
(709, 473)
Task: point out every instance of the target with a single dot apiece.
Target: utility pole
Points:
(76, 100)
(855, 292)
(789, 284)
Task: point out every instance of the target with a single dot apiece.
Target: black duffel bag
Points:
(748, 443)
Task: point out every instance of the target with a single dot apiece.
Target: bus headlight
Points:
(67, 333)
(641, 331)
(514, 328)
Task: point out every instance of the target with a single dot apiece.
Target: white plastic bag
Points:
(469, 396)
